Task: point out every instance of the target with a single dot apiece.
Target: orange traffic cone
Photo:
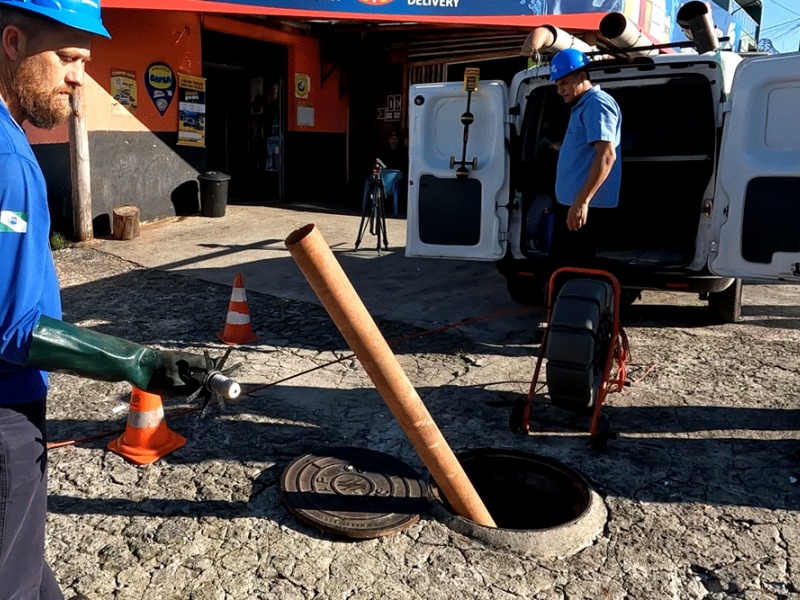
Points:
(147, 437)
(237, 324)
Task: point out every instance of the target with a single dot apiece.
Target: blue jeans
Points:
(24, 574)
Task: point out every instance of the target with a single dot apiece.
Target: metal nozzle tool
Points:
(216, 383)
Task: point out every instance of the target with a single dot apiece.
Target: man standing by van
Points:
(44, 46)
(589, 171)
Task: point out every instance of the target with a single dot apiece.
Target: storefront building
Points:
(293, 103)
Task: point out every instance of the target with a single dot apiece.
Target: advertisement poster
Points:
(393, 109)
(123, 92)
(273, 153)
(191, 111)
(160, 83)
(302, 85)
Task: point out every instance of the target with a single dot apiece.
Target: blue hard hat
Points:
(567, 61)
(80, 14)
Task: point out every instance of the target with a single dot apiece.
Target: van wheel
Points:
(726, 306)
(628, 296)
(626, 299)
(525, 289)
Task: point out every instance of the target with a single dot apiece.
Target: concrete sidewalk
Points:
(250, 239)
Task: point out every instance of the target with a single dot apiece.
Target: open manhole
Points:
(541, 506)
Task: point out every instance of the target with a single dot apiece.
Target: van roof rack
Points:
(619, 61)
(623, 52)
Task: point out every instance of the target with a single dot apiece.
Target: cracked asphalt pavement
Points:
(702, 482)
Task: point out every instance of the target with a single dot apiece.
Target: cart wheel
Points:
(452, 161)
(599, 441)
(577, 343)
(475, 163)
(515, 423)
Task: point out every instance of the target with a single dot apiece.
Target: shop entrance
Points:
(377, 129)
(246, 114)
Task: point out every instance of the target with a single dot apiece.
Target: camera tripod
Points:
(374, 213)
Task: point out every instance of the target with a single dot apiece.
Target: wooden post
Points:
(80, 170)
(125, 225)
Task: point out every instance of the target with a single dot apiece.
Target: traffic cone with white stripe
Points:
(237, 324)
(147, 437)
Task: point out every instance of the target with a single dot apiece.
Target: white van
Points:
(710, 174)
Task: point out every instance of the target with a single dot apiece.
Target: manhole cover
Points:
(354, 492)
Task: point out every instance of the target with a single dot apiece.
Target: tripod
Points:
(374, 213)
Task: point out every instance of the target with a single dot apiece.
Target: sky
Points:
(781, 24)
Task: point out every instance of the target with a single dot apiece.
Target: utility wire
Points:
(776, 3)
(787, 33)
(784, 24)
(779, 31)
(780, 34)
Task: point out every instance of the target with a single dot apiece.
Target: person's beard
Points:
(42, 106)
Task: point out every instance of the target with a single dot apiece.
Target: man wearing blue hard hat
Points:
(589, 172)
(44, 46)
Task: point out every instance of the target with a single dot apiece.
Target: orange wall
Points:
(140, 38)
(330, 111)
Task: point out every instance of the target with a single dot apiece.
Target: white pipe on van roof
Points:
(550, 40)
(624, 34)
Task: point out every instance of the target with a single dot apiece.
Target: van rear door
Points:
(756, 217)
(450, 216)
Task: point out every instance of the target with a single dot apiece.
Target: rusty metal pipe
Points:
(329, 282)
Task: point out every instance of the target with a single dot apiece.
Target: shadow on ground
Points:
(652, 459)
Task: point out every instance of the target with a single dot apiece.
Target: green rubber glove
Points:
(67, 348)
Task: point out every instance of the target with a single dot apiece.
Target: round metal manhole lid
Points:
(354, 492)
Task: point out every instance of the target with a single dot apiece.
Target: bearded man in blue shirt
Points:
(44, 46)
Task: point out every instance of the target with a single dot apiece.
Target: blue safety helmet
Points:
(80, 14)
(567, 61)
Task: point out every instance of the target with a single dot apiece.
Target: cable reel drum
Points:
(585, 347)
(580, 333)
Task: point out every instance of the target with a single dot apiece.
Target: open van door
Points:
(451, 216)
(756, 217)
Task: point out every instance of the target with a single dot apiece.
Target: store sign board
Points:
(393, 109)
(159, 80)
(654, 17)
(471, 8)
(124, 92)
(191, 110)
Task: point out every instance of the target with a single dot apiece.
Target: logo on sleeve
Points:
(13, 222)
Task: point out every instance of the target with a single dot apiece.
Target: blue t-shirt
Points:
(594, 118)
(28, 282)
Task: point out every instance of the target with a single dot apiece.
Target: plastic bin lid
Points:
(214, 176)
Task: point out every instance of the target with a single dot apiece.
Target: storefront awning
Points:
(497, 13)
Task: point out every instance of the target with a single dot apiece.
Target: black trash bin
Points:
(213, 193)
